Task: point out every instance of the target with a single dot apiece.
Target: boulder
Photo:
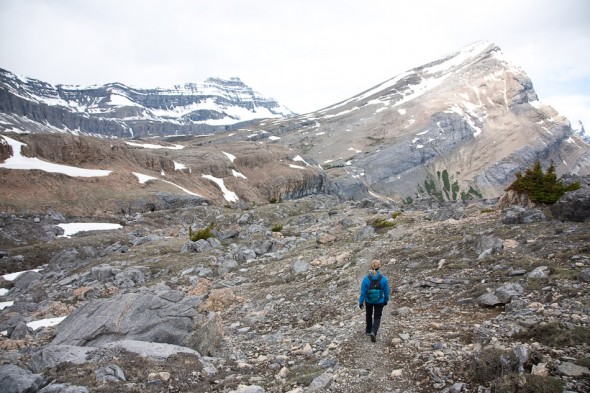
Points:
(501, 295)
(109, 373)
(167, 317)
(154, 351)
(539, 272)
(64, 388)
(574, 205)
(104, 273)
(520, 215)
(585, 275)
(54, 355)
(14, 379)
(27, 279)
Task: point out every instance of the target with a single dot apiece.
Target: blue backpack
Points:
(374, 292)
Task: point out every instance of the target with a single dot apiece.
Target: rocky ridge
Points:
(270, 302)
(117, 110)
(459, 127)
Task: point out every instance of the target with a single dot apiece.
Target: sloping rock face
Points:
(169, 317)
(574, 205)
(118, 110)
(457, 128)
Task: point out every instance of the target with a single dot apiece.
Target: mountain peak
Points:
(115, 109)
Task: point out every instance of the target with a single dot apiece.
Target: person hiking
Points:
(374, 295)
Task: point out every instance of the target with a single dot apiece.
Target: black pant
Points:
(373, 322)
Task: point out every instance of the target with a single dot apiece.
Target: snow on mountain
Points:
(115, 109)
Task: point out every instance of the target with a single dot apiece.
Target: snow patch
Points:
(238, 174)
(230, 156)
(13, 276)
(178, 166)
(3, 305)
(152, 146)
(296, 166)
(75, 227)
(299, 158)
(229, 196)
(18, 161)
(45, 322)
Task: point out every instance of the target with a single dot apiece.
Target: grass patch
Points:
(557, 335)
(277, 228)
(515, 383)
(204, 233)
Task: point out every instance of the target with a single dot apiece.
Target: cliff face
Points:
(122, 111)
(148, 176)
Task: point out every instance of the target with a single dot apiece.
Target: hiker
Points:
(375, 295)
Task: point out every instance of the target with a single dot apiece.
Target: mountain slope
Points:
(458, 127)
(118, 110)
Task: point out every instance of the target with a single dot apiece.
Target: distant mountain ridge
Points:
(459, 127)
(115, 109)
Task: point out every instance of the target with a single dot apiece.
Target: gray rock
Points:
(245, 254)
(104, 273)
(403, 311)
(152, 350)
(140, 316)
(585, 275)
(244, 219)
(213, 242)
(365, 232)
(248, 389)
(14, 379)
(574, 205)
(320, 382)
(132, 276)
(501, 295)
(493, 243)
(521, 215)
(109, 373)
(64, 388)
(19, 331)
(572, 370)
(539, 272)
(27, 279)
(300, 266)
(54, 355)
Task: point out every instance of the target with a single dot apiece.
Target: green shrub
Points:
(541, 187)
(277, 228)
(395, 215)
(205, 233)
(381, 223)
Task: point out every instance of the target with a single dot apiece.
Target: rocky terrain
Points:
(487, 297)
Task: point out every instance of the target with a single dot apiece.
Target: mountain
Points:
(118, 110)
(457, 128)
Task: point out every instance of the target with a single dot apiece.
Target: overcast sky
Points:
(307, 54)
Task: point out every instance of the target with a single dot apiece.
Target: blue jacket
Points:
(384, 298)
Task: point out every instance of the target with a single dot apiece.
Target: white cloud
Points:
(307, 54)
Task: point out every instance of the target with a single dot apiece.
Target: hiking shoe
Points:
(373, 337)
(367, 333)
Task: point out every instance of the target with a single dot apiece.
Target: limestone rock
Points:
(14, 379)
(144, 316)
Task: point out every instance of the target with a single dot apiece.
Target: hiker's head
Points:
(375, 265)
